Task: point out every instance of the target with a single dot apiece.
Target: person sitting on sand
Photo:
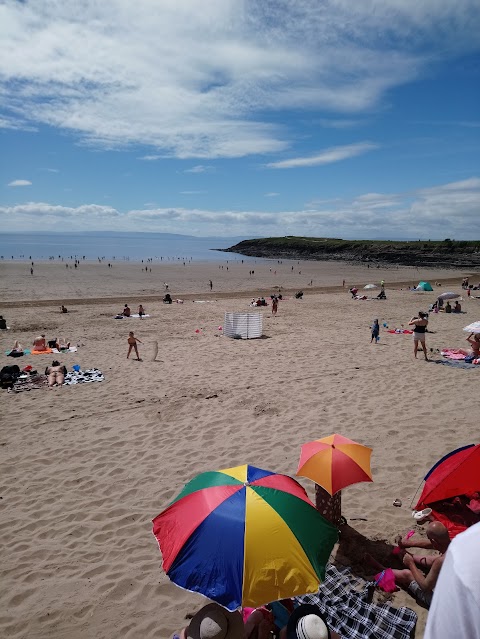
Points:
(126, 311)
(3, 323)
(62, 344)
(141, 311)
(167, 299)
(421, 583)
(56, 374)
(17, 350)
(63, 309)
(39, 343)
(132, 344)
(457, 308)
(474, 340)
(448, 307)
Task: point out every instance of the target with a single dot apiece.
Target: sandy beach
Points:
(87, 467)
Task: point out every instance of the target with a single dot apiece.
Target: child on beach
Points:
(141, 311)
(375, 331)
(132, 344)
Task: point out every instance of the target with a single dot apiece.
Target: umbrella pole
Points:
(329, 506)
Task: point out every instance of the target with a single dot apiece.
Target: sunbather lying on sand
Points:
(56, 374)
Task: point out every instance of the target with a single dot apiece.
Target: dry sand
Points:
(85, 468)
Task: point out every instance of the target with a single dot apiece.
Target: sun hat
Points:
(307, 622)
(215, 622)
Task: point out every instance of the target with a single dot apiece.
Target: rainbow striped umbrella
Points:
(243, 537)
(335, 462)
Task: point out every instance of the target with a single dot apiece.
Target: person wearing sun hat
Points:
(307, 622)
(213, 622)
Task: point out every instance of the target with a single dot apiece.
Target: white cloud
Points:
(20, 183)
(198, 80)
(448, 210)
(271, 194)
(151, 158)
(50, 170)
(334, 154)
(200, 168)
(192, 192)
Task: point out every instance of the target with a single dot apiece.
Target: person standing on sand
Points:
(375, 331)
(211, 284)
(420, 324)
(132, 344)
(274, 305)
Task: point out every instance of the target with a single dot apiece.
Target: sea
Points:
(117, 246)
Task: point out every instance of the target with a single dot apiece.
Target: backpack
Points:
(8, 376)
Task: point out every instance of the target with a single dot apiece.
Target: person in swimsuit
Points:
(56, 374)
(474, 340)
(420, 324)
(274, 305)
(126, 311)
(132, 344)
(39, 343)
(141, 311)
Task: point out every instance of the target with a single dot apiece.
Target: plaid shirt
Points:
(343, 599)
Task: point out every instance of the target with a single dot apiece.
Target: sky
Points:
(327, 118)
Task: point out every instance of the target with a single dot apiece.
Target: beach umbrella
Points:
(244, 537)
(448, 296)
(370, 286)
(457, 473)
(473, 328)
(335, 462)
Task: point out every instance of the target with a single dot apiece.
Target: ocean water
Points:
(118, 246)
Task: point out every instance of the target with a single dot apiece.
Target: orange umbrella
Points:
(335, 462)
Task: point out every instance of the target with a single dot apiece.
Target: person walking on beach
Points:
(132, 344)
(420, 324)
(375, 331)
(274, 305)
(211, 284)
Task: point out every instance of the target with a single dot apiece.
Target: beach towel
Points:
(344, 600)
(454, 353)
(454, 363)
(30, 382)
(72, 349)
(135, 316)
(84, 377)
(400, 331)
(47, 351)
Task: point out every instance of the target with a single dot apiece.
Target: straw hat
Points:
(214, 622)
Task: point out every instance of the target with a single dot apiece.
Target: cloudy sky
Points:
(241, 117)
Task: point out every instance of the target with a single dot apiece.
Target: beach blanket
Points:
(84, 377)
(30, 382)
(454, 353)
(455, 363)
(344, 600)
(72, 349)
(134, 316)
(10, 353)
(47, 351)
(400, 331)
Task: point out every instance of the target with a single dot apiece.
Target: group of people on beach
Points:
(446, 583)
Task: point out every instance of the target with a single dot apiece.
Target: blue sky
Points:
(230, 117)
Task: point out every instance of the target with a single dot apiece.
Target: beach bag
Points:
(8, 376)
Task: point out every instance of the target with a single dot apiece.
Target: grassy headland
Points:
(445, 253)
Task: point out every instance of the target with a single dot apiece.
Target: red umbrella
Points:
(335, 462)
(457, 473)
